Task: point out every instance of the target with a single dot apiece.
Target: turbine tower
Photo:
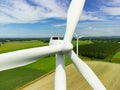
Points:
(77, 39)
(60, 47)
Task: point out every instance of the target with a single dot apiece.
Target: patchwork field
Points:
(18, 77)
(109, 74)
(13, 78)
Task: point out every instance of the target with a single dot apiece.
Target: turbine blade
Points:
(60, 74)
(87, 73)
(74, 13)
(26, 56)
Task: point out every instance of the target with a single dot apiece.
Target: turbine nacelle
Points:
(55, 40)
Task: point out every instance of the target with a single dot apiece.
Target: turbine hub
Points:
(67, 46)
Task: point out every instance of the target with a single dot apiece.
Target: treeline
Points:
(4, 40)
(99, 49)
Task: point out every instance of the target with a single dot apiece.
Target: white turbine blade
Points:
(74, 13)
(60, 75)
(76, 35)
(87, 73)
(26, 56)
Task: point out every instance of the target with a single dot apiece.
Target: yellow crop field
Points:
(109, 74)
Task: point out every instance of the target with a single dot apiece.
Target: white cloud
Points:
(111, 7)
(20, 11)
(101, 32)
(114, 3)
(101, 10)
(101, 28)
(59, 25)
(90, 16)
(4, 19)
(111, 10)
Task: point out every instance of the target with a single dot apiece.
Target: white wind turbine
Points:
(77, 38)
(60, 47)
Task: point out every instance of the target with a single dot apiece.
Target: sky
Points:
(46, 18)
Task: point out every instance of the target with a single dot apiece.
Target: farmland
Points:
(19, 76)
(10, 79)
(107, 72)
(116, 57)
(82, 42)
(103, 50)
(18, 45)
(96, 50)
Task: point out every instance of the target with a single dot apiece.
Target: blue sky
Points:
(41, 18)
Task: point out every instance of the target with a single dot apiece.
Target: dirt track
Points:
(108, 73)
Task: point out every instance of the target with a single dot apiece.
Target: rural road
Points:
(107, 72)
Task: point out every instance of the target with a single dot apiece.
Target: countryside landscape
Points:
(59, 45)
(101, 54)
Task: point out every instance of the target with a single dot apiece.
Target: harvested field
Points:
(109, 74)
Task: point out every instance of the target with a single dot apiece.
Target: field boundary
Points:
(33, 81)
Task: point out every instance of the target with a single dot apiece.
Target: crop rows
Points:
(99, 50)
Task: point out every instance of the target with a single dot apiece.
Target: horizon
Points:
(86, 37)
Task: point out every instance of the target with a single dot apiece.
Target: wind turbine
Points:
(60, 47)
(77, 38)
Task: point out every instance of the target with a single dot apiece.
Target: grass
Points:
(116, 58)
(18, 45)
(10, 79)
(13, 78)
(117, 55)
(82, 42)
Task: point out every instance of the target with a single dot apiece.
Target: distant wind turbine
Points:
(77, 38)
(60, 47)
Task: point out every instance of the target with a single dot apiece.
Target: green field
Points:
(17, 45)
(82, 42)
(103, 50)
(117, 55)
(11, 79)
(116, 58)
